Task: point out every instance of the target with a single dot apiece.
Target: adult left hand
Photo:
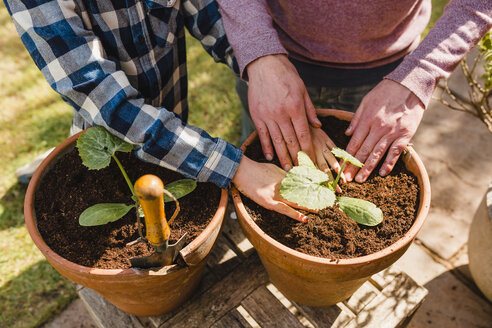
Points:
(387, 118)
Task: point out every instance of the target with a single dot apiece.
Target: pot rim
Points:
(52, 255)
(424, 205)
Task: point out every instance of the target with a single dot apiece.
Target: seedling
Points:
(311, 188)
(96, 148)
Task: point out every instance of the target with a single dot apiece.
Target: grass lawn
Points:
(33, 118)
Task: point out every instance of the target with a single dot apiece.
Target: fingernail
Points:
(383, 172)
(303, 219)
(287, 167)
(349, 129)
(360, 179)
(348, 176)
(269, 157)
(318, 122)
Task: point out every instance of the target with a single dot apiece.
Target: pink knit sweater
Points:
(359, 34)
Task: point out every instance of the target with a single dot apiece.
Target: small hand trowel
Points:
(150, 193)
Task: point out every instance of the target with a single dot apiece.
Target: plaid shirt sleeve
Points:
(73, 61)
(211, 35)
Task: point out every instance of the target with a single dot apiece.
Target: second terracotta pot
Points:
(142, 292)
(317, 281)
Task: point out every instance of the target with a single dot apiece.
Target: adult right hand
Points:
(260, 182)
(281, 109)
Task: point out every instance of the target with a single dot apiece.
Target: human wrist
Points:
(255, 67)
(242, 170)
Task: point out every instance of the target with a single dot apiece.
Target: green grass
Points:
(32, 119)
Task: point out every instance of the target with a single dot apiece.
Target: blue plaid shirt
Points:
(121, 64)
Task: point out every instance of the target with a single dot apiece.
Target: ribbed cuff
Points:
(247, 52)
(412, 75)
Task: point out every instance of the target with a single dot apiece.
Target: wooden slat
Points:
(342, 320)
(362, 296)
(267, 310)
(233, 319)
(321, 316)
(222, 258)
(222, 297)
(208, 280)
(397, 301)
(105, 314)
(232, 230)
(385, 277)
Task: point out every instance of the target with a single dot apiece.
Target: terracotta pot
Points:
(317, 281)
(136, 291)
(480, 244)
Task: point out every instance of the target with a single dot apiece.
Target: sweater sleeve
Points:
(462, 25)
(250, 30)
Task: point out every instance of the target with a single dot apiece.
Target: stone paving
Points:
(457, 151)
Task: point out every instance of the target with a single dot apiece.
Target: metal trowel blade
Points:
(160, 258)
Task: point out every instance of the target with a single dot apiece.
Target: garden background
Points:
(33, 118)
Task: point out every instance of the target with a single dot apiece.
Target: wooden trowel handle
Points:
(150, 193)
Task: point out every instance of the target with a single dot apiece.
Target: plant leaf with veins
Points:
(97, 145)
(100, 214)
(304, 160)
(361, 211)
(340, 153)
(306, 186)
(179, 188)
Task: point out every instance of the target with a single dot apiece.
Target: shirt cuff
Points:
(414, 76)
(247, 52)
(221, 165)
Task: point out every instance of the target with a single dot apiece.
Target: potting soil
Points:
(331, 233)
(69, 188)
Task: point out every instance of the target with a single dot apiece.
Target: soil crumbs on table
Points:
(331, 233)
(69, 188)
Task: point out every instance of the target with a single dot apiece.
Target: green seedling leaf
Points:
(306, 186)
(304, 160)
(100, 214)
(97, 145)
(179, 188)
(340, 153)
(361, 211)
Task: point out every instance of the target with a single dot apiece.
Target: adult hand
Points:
(280, 108)
(387, 118)
(322, 145)
(325, 160)
(264, 187)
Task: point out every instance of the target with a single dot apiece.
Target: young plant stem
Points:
(128, 182)
(335, 183)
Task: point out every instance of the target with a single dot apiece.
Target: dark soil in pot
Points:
(331, 234)
(69, 188)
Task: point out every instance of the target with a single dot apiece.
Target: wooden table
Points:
(235, 292)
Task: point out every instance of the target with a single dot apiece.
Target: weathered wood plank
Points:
(105, 314)
(233, 319)
(222, 297)
(208, 280)
(362, 296)
(222, 258)
(398, 300)
(321, 316)
(232, 230)
(267, 310)
(381, 279)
